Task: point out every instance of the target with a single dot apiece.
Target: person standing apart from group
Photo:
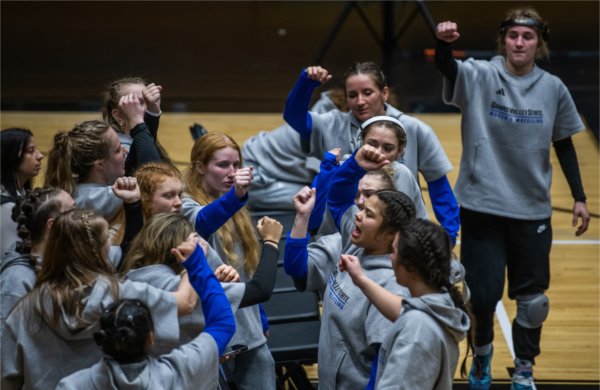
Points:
(512, 112)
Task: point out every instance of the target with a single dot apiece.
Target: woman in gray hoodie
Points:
(127, 332)
(59, 316)
(420, 350)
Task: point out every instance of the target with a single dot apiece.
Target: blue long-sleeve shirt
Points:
(343, 189)
(295, 257)
(296, 112)
(220, 322)
(212, 216)
(445, 206)
(321, 183)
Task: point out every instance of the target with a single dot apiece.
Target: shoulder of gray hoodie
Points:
(405, 182)
(277, 154)
(16, 280)
(163, 277)
(99, 198)
(30, 345)
(423, 152)
(323, 256)
(422, 345)
(193, 365)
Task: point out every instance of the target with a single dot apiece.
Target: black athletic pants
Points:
(490, 245)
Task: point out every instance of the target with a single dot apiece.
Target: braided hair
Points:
(399, 210)
(31, 213)
(426, 248)
(124, 329)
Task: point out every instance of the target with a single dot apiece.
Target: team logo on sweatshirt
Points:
(516, 115)
(336, 293)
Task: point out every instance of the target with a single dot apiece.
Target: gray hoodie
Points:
(420, 350)
(37, 354)
(280, 166)
(17, 277)
(508, 125)
(192, 366)
(164, 278)
(351, 327)
(423, 152)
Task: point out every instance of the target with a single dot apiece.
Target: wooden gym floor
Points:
(570, 340)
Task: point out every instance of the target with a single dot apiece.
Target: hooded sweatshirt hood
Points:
(123, 377)
(441, 307)
(68, 327)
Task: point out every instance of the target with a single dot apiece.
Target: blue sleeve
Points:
(220, 323)
(212, 216)
(295, 257)
(445, 206)
(296, 112)
(263, 319)
(322, 182)
(343, 188)
(373, 377)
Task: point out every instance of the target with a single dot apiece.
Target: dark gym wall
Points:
(245, 56)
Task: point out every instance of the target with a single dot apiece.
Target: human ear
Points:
(117, 115)
(386, 93)
(199, 168)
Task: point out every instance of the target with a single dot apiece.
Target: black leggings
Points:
(489, 245)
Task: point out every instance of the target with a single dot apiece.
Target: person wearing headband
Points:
(367, 95)
(512, 112)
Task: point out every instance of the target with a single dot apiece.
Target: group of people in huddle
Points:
(123, 272)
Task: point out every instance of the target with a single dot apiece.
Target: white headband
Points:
(380, 118)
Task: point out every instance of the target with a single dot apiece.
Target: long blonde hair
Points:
(73, 261)
(152, 245)
(241, 223)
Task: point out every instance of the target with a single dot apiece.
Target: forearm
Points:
(567, 157)
(343, 189)
(388, 303)
(445, 206)
(300, 227)
(152, 121)
(296, 112)
(220, 323)
(295, 256)
(134, 221)
(444, 61)
(143, 149)
(260, 287)
(321, 183)
(212, 216)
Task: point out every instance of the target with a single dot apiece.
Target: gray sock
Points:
(483, 350)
